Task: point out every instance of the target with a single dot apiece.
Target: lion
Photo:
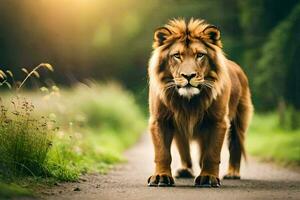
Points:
(195, 94)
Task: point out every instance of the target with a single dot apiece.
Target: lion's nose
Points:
(188, 76)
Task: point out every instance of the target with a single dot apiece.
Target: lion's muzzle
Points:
(187, 85)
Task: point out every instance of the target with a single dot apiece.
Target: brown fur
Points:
(195, 47)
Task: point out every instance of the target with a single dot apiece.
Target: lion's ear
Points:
(213, 34)
(160, 35)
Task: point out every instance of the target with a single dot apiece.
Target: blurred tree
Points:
(258, 18)
(277, 67)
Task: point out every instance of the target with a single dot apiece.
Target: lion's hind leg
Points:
(236, 148)
(236, 138)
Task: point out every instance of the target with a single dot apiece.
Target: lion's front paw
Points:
(161, 180)
(184, 173)
(207, 181)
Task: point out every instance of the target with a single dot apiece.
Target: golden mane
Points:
(187, 113)
(193, 29)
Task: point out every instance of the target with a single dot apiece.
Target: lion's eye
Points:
(176, 55)
(199, 55)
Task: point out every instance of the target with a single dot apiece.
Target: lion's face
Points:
(186, 56)
(189, 67)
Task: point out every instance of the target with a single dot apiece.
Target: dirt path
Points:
(128, 181)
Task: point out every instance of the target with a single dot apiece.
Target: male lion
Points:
(195, 93)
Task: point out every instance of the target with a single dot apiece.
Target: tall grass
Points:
(25, 139)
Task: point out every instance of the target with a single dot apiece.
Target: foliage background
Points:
(112, 39)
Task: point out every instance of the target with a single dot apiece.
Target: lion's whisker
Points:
(206, 84)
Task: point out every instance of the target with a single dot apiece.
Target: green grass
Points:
(96, 124)
(25, 140)
(99, 123)
(268, 141)
(8, 191)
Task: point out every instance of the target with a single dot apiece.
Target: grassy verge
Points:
(63, 134)
(268, 141)
(12, 190)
